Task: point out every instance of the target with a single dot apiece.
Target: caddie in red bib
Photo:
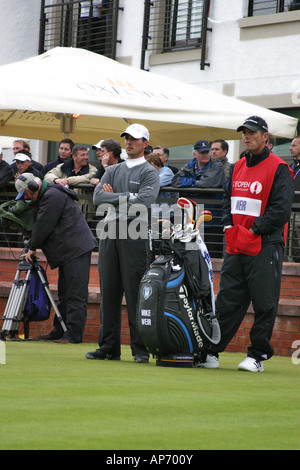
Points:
(256, 208)
(250, 192)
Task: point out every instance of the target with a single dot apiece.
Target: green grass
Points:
(52, 397)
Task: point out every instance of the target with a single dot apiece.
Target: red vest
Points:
(251, 187)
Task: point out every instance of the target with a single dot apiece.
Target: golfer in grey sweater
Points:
(126, 192)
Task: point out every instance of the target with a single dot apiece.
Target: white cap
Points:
(98, 145)
(22, 157)
(137, 131)
(1, 151)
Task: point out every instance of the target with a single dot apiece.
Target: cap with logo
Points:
(23, 181)
(137, 131)
(98, 145)
(202, 146)
(21, 157)
(254, 123)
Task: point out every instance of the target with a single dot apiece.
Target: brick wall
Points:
(286, 329)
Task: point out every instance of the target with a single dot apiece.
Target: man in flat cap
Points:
(256, 209)
(63, 235)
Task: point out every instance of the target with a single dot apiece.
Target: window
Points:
(174, 25)
(182, 25)
(267, 7)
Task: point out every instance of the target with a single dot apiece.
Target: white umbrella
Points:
(39, 95)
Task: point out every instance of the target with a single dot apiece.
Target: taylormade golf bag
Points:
(176, 309)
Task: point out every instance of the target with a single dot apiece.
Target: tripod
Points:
(18, 296)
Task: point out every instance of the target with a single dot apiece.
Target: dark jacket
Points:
(60, 229)
(210, 176)
(38, 166)
(32, 169)
(51, 165)
(296, 168)
(101, 170)
(277, 213)
(6, 173)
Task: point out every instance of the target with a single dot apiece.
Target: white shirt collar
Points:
(131, 162)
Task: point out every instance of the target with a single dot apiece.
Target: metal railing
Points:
(211, 199)
(62, 24)
(268, 7)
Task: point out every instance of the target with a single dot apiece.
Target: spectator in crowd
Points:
(74, 171)
(110, 155)
(295, 154)
(164, 172)
(164, 154)
(271, 142)
(202, 171)
(24, 164)
(98, 150)
(126, 188)
(6, 172)
(64, 153)
(257, 206)
(20, 144)
(205, 172)
(161, 209)
(148, 150)
(68, 248)
(219, 151)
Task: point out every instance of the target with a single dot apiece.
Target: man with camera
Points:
(63, 235)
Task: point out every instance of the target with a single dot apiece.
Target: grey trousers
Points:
(121, 265)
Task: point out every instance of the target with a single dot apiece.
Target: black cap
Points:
(202, 146)
(254, 123)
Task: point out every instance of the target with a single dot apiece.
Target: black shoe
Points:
(52, 336)
(141, 358)
(101, 355)
(62, 341)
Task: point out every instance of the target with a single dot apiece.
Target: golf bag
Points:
(176, 311)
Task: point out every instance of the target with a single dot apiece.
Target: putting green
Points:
(52, 397)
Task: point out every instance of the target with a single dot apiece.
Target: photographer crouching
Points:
(61, 232)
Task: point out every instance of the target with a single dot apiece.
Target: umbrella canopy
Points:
(39, 96)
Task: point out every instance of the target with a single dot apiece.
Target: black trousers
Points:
(121, 265)
(244, 279)
(73, 281)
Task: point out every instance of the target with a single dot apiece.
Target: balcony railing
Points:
(65, 24)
